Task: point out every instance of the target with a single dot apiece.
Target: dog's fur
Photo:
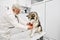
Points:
(33, 17)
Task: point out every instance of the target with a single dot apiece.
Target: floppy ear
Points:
(36, 14)
(28, 15)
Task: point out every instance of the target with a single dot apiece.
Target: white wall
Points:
(53, 19)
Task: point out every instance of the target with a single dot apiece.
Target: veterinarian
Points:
(11, 26)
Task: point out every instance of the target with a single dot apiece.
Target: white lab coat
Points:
(9, 26)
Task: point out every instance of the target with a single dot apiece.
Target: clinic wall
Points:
(52, 15)
(53, 19)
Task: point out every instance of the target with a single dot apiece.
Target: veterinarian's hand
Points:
(30, 26)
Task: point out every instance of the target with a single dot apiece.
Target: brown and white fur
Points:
(33, 17)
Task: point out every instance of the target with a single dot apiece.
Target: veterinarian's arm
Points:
(12, 20)
(22, 21)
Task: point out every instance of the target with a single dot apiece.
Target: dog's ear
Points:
(28, 15)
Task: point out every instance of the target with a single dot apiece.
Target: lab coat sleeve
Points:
(12, 20)
(22, 21)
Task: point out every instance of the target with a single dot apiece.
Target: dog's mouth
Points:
(32, 18)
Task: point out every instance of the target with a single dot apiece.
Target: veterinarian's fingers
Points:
(30, 27)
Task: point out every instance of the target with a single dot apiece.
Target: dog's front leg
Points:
(33, 31)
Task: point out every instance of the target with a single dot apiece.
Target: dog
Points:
(34, 19)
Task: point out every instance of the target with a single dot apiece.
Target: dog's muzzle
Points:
(32, 18)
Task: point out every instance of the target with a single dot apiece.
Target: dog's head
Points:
(32, 16)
